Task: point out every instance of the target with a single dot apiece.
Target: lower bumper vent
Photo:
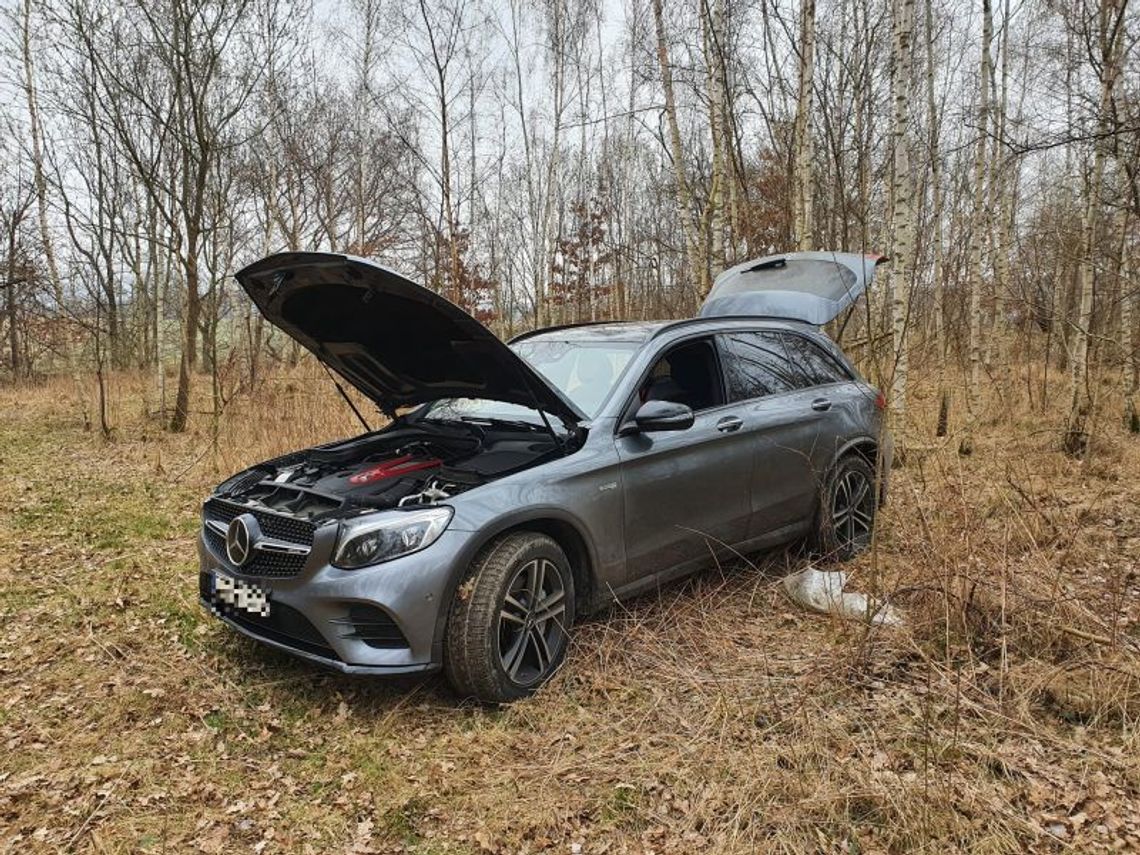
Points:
(372, 625)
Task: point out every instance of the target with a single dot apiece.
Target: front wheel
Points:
(846, 509)
(509, 625)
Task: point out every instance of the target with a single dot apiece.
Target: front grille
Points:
(284, 624)
(373, 626)
(270, 564)
(272, 525)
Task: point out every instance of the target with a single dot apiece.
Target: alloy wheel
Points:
(853, 510)
(532, 628)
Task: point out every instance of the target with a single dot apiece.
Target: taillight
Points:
(880, 400)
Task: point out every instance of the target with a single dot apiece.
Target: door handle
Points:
(729, 424)
(821, 405)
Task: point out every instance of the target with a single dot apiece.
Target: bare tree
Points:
(1106, 45)
(17, 195)
(572, 160)
(934, 154)
(202, 65)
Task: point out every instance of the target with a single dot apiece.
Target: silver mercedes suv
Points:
(515, 487)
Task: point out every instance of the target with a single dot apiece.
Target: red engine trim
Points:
(394, 468)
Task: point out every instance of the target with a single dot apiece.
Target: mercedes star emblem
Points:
(239, 539)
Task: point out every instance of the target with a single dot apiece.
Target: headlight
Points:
(381, 537)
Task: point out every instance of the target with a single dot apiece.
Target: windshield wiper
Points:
(440, 420)
(520, 424)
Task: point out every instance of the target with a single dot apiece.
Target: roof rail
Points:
(556, 328)
(714, 319)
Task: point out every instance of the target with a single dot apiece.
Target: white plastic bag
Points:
(823, 592)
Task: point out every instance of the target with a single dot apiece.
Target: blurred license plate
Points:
(239, 596)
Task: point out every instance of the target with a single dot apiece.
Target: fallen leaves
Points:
(707, 718)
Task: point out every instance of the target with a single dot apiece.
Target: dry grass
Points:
(713, 716)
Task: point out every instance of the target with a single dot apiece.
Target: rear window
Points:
(756, 365)
(816, 365)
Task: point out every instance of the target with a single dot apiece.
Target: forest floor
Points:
(713, 716)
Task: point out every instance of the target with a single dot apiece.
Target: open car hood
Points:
(813, 287)
(397, 342)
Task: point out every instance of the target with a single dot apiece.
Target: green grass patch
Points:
(17, 599)
(402, 821)
(623, 806)
(217, 720)
(181, 619)
(119, 528)
(49, 512)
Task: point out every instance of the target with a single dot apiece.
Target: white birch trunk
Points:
(803, 179)
(40, 178)
(979, 226)
(697, 269)
(903, 210)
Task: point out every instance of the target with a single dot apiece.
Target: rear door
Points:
(833, 393)
(800, 405)
(781, 426)
(686, 493)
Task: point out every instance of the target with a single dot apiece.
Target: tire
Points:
(498, 646)
(840, 532)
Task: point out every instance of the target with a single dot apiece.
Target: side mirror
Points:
(662, 415)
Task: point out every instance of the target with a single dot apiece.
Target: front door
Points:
(686, 493)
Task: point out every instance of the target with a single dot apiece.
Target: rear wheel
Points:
(509, 625)
(846, 509)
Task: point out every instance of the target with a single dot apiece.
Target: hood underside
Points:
(397, 342)
(813, 287)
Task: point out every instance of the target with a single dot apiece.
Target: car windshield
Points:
(584, 371)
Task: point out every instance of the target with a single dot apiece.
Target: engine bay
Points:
(396, 467)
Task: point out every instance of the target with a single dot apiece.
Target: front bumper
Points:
(316, 614)
(318, 659)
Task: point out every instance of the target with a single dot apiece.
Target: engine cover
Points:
(393, 469)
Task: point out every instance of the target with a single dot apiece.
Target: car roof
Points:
(643, 331)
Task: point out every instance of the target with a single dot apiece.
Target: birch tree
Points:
(803, 180)
(587, 161)
(713, 44)
(903, 214)
(698, 270)
(1130, 362)
(979, 219)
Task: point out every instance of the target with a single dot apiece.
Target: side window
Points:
(815, 364)
(687, 374)
(755, 365)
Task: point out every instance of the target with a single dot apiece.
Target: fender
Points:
(853, 444)
(504, 523)
(884, 452)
